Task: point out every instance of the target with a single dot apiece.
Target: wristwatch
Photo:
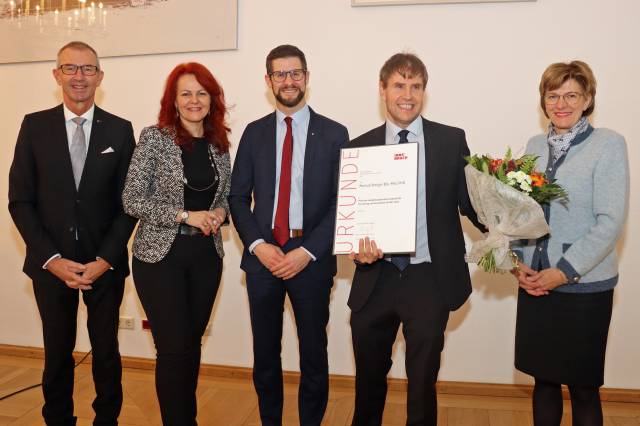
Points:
(184, 216)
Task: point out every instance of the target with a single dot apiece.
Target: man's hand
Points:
(268, 254)
(95, 269)
(294, 262)
(368, 252)
(70, 272)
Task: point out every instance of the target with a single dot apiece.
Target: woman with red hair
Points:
(177, 186)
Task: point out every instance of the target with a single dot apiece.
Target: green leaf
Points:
(507, 156)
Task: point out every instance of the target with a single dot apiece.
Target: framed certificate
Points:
(377, 198)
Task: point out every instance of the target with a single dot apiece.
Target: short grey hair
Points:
(78, 45)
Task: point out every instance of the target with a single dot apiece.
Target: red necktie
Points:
(281, 223)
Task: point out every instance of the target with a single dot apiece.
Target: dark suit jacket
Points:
(45, 205)
(253, 180)
(446, 196)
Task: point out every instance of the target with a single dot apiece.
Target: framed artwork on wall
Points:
(34, 30)
(399, 2)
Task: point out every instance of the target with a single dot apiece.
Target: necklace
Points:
(215, 175)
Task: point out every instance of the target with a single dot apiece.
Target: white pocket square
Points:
(107, 151)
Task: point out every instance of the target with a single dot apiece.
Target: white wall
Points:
(484, 62)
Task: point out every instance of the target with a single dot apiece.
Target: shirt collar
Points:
(297, 117)
(88, 115)
(414, 128)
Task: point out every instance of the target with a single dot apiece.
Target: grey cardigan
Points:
(584, 231)
(154, 192)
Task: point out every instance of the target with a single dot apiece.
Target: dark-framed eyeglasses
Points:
(570, 98)
(280, 76)
(71, 69)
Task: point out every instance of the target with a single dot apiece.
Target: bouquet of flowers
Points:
(507, 194)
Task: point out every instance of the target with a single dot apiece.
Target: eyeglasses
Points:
(280, 76)
(71, 69)
(571, 98)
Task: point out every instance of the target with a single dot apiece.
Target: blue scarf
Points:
(560, 144)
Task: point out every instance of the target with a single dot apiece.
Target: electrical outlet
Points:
(145, 324)
(125, 323)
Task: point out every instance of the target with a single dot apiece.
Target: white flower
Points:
(519, 176)
(519, 179)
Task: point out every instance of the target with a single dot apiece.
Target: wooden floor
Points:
(231, 402)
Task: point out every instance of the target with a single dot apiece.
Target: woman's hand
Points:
(202, 220)
(523, 274)
(548, 279)
(368, 252)
(219, 215)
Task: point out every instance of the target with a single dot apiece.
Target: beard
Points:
(290, 103)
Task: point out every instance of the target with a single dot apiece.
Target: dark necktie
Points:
(401, 261)
(78, 150)
(281, 222)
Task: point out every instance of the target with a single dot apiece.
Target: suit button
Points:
(71, 229)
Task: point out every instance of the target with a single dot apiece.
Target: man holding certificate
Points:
(415, 289)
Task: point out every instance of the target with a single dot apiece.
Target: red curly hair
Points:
(215, 127)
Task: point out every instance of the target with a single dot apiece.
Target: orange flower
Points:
(537, 179)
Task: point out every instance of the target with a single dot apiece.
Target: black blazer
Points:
(253, 180)
(45, 205)
(447, 195)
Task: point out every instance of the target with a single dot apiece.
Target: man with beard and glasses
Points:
(286, 168)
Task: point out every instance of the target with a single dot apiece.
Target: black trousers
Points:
(177, 294)
(410, 298)
(58, 306)
(309, 296)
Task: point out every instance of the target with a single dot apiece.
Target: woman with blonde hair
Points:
(567, 277)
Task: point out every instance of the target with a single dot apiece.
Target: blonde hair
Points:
(557, 74)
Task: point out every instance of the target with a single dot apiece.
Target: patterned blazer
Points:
(154, 192)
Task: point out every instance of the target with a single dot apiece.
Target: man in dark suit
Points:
(286, 165)
(65, 187)
(417, 289)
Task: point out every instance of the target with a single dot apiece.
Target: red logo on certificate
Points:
(400, 156)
